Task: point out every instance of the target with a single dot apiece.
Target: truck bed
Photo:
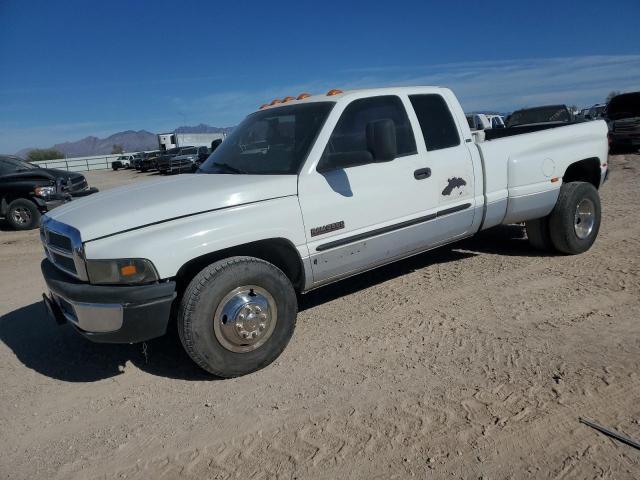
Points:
(523, 173)
(495, 133)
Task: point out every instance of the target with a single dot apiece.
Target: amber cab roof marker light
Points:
(275, 101)
(263, 106)
(303, 95)
(334, 91)
(288, 99)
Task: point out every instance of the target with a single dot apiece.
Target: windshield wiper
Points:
(229, 168)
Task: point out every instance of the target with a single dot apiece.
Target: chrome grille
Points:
(64, 262)
(60, 241)
(63, 247)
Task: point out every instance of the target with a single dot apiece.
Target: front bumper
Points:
(85, 192)
(49, 203)
(630, 139)
(109, 314)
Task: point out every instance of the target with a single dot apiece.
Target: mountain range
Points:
(130, 140)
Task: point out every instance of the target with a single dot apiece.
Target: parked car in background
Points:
(139, 164)
(137, 160)
(596, 112)
(187, 160)
(478, 121)
(497, 121)
(582, 114)
(123, 161)
(623, 118)
(163, 161)
(302, 194)
(27, 191)
(150, 161)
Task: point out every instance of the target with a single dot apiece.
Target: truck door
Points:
(361, 216)
(451, 166)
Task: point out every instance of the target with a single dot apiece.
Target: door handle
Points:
(422, 173)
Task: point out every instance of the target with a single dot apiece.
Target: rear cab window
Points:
(436, 121)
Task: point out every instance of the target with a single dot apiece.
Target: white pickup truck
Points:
(304, 192)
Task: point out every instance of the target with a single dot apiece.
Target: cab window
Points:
(349, 136)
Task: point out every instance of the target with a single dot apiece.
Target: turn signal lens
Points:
(303, 95)
(275, 101)
(128, 270)
(333, 91)
(554, 179)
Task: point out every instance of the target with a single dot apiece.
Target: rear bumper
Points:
(109, 314)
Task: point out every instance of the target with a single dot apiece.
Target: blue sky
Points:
(77, 68)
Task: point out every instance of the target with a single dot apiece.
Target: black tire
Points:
(539, 235)
(563, 224)
(204, 297)
(23, 214)
(115, 169)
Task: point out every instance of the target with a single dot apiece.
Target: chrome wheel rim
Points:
(21, 215)
(245, 319)
(584, 218)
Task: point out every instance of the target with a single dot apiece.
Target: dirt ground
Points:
(472, 361)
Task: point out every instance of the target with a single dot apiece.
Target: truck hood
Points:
(44, 174)
(141, 204)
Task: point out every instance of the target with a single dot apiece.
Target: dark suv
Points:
(27, 191)
(623, 118)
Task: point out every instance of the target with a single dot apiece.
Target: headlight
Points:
(122, 270)
(44, 191)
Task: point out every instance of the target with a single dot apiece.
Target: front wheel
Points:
(237, 316)
(23, 214)
(575, 220)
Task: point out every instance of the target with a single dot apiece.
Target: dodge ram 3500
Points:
(305, 192)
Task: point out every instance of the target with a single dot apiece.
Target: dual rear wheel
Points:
(573, 224)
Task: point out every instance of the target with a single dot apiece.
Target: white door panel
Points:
(364, 198)
(359, 217)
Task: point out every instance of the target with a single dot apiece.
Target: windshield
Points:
(554, 113)
(270, 142)
(15, 165)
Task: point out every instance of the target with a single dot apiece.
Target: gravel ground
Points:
(472, 361)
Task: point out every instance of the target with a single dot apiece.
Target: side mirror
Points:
(336, 161)
(381, 140)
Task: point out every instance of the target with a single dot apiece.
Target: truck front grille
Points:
(63, 247)
(60, 241)
(65, 263)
